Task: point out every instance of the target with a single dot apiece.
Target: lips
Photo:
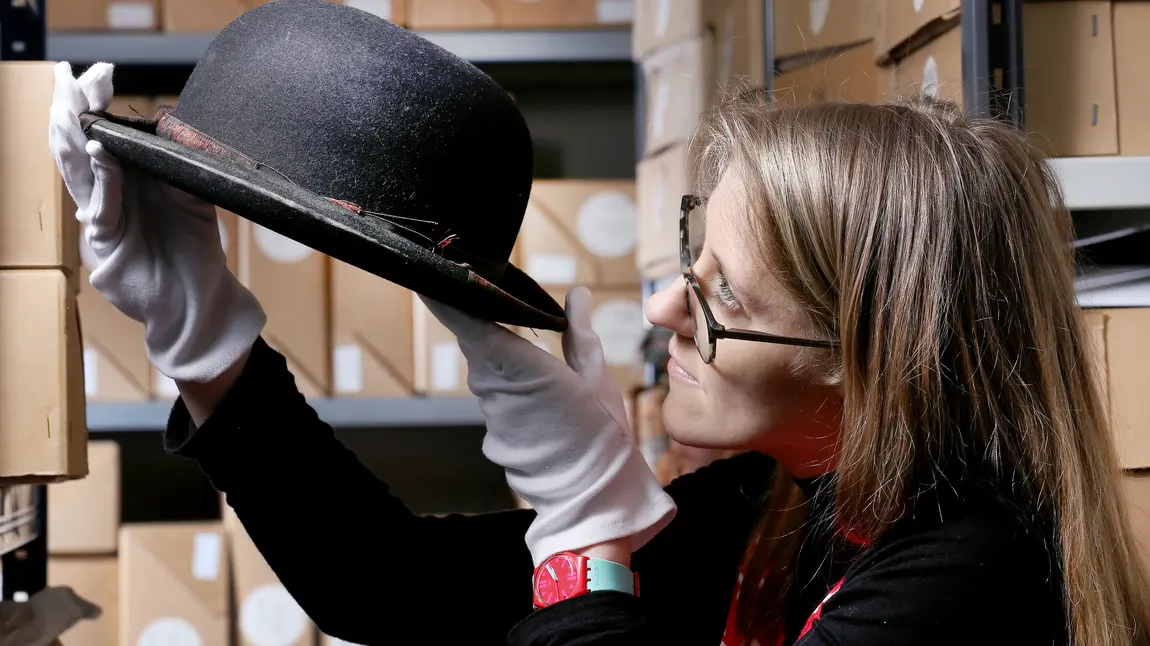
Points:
(676, 371)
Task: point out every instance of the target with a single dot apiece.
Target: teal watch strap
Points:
(609, 575)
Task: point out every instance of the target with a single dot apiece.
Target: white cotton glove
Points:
(559, 430)
(156, 250)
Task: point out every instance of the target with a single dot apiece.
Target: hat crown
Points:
(353, 108)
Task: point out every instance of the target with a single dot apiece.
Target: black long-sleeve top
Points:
(962, 568)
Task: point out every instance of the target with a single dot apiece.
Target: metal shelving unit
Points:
(478, 46)
(1096, 183)
(23, 508)
(341, 413)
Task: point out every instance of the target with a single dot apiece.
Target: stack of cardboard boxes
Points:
(187, 582)
(42, 410)
(199, 16)
(1085, 91)
(824, 51)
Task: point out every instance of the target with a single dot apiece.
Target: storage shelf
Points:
(1094, 183)
(341, 413)
(480, 46)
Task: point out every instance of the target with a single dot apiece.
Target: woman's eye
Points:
(726, 295)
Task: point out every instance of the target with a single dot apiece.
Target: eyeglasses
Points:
(706, 330)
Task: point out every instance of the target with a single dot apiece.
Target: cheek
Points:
(744, 400)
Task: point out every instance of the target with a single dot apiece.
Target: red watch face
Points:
(557, 579)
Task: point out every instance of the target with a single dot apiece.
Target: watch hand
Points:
(552, 573)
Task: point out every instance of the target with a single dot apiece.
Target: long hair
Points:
(937, 249)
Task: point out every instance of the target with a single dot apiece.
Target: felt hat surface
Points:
(362, 140)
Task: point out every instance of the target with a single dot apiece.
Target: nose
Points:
(667, 308)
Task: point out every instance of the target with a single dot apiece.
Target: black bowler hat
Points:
(361, 140)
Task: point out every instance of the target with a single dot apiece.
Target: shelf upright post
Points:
(23, 37)
(992, 65)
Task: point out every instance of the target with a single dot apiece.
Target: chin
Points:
(688, 423)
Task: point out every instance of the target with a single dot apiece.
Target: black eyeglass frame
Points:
(716, 330)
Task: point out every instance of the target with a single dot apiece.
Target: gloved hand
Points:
(559, 431)
(157, 249)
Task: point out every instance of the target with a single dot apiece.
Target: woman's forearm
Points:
(201, 398)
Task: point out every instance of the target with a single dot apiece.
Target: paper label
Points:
(381, 8)
(819, 9)
(169, 631)
(445, 359)
(91, 372)
(607, 224)
(132, 15)
(206, 553)
(551, 268)
(270, 616)
(659, 107)
(615, 11)
(166, 386)
(87, 255)
(930, 80)
(662, 17)
(280, 248)
(918, 5)
(347, 366)
(619, 325)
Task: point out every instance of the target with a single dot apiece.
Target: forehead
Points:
(726, 215)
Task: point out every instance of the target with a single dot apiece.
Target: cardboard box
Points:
(1123, 351)
(174, 584)
(932, 70)
(851, 75)
(265, 612)
(291, 281)
(1136, 488)
(96, 579)
(84, 515)
(737, 25)
(544, 14)
(209, 16)
(908, 25)
(440, 367)
(580, 232)
(102, 15)
(660, 183)
(38, 227)
(1071, 101)
(803, 27)
(617, 317)
(452, 14)
(1131, 51)
(43, 423)
(371, 319)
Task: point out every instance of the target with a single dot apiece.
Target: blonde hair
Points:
(937, 249)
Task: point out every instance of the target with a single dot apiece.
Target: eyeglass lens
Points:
(700, 331)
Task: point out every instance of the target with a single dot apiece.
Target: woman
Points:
(880, 299)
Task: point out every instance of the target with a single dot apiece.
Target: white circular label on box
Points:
(930, 79)
(169, 631)
(918, 5)
(87, 254)
(607, 224)
(619, 325)
(271, 617)
(280, 248)
(819, 9)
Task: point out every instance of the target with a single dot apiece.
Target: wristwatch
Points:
(566, 575)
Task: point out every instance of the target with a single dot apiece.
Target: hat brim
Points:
(369, 243)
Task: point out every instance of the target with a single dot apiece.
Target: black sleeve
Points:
(981, 577)
(361, 565)
(687, 573)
